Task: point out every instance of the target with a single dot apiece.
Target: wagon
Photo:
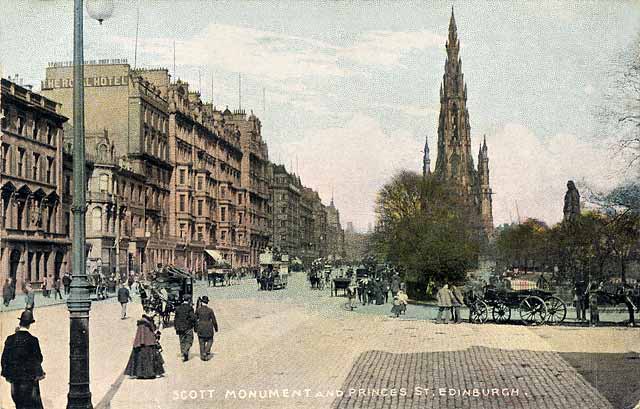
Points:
(274, 270)
(166, 289)
(531, 307)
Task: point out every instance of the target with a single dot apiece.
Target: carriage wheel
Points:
(501, 313)
(556, 310)
(533, 311)
(478, 312)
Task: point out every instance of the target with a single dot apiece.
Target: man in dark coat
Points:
(66, 283)
(184, 322)
(7, 292)
(22, 365)
(205, 328)
(123, 298)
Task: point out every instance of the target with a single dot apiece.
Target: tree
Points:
(523, 245)
(621, 110)
(425, 229)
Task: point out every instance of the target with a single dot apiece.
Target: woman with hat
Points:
(206, 326)
(145, 361)
(22, 365)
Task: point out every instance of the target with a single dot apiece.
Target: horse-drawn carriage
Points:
(164, 291)
(274, 271)
(534, 306)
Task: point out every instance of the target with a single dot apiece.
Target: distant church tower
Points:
(426, 160)
(454, 163)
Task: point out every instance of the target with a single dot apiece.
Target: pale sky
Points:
(352, 87)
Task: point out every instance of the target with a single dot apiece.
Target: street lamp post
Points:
(79, 303)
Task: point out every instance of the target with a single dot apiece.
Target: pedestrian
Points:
(386, 287)
(444, 304)
(7, 292)
(56, 289)
(362, 291)
(66, 282)
(395, 284)
(370, 291)
(379, 291)
(30, 297)
(404, 300)
(206, 326)
(184, 322)
(22, 365)
(457, 300)
(45, 287)
(145, 361)
(123, 298)
(351, 294)
(580, 300)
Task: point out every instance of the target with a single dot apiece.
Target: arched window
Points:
(96, 219)
(102, 152)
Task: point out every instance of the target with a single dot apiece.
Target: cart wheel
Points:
(556, 310)
(478, 312)
(501, 313)
(533, 311)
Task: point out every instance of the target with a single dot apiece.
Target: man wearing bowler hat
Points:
(205, 328)
(22, 365)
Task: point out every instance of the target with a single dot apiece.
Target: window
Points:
(200, 202)
(35, 165)
(239, 199)
(35, 130)
(3, 160)
(200, 181)
(96, 219)
(183, 175)
(200, 234)
(67, 185)
(239, 218)
(182, 204)
(104, 183)
(21, 122)
(223, 235)
(223, 192)
(21, 152)
(183, 230)
(223, 214)
(282, 223)
(50, 134)
(50, 170)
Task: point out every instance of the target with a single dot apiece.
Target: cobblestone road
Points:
(477, 377)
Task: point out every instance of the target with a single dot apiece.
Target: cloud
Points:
(355, 160)
(385, 48)
(279, 57)
(532, 171)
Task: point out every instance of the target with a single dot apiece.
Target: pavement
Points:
(300, 348)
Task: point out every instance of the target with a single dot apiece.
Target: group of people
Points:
(377, 290)
(48, 284)
(146, 362)
(449, 302)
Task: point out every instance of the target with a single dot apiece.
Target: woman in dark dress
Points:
(145, 361)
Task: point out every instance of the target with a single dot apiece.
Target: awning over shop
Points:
(215, 255)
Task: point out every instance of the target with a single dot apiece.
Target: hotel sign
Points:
(113, 81)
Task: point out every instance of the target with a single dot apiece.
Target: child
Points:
(397, 306)
(403, 298)
(351, 293)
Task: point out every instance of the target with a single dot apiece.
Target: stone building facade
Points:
(175, 180)
(34, 218)
(454, 163)
(134, 113)
(286, 190)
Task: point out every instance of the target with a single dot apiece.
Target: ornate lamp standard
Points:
(79, 303)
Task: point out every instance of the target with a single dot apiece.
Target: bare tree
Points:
(620, 112)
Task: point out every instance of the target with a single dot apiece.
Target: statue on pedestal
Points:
(571, 202)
